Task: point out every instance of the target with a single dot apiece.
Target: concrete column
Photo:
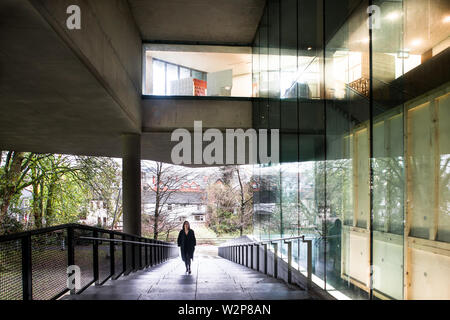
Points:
(131, 183)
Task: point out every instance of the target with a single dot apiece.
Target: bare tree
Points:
(231, 194)
(167, 181)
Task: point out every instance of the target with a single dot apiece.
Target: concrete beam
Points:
(165, 114)
(108, 43)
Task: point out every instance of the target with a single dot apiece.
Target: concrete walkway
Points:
(212, 278)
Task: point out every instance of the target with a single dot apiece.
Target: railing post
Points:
(124, 255)
(133, 255)
(251, 253)
(27, 285)
(275, 259)
(265, 258)
(289, 243)
(95, 257)
(71, 250)
(152, 253)
(257, 256)
(246, 255)
(112, 258)
(242, 255)
(146, 254)
(309, 261)
(157, 251)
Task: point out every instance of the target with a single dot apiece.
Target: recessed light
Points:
(416, 42)
(446, 19)
(393, 15)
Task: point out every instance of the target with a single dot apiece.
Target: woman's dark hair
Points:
(189, 225)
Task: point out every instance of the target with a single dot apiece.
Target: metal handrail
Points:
(235, 253)
(136, 253)
(129, 241)
(265, 241)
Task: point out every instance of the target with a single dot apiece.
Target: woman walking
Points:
(187, 243)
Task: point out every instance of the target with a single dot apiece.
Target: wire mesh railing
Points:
(42, 264)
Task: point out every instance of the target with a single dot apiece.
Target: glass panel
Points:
(159, 77)
(186, 70)
(171, 78)
(185, 73)
(379, 201)
(347, 165)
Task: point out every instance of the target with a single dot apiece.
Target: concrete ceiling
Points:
(49, 99)
(212, 21)
(241, 63)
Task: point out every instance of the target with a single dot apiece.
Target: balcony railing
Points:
(34, 265)
(239, 253)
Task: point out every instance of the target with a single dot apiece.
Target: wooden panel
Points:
(388, 264)
(356, 255)
(430, 275)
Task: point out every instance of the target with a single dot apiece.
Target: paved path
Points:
(212, 278)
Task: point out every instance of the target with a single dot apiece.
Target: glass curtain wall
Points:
(360, 94)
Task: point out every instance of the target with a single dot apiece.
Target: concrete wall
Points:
(109, 44)
(167, 114)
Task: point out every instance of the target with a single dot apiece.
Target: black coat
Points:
(187, 244)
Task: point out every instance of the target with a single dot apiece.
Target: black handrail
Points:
(41, 259)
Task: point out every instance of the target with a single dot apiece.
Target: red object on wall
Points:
(199, 87)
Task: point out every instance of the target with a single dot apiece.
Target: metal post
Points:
(151, 252)
(147, 263)
(112, 258)
(95, 257)
(289, 243)
(275, 259)
(71, 250)
(309, 260)
(257, 256)
(251, 254)
(265, 258)
(133, 255)
(124, 255)
(246, 255)
(27, 285)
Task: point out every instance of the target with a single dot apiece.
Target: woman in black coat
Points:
(187, 243)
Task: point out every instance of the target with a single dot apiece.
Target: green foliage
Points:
(62, 187)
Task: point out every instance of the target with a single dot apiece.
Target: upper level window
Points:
(188, 70)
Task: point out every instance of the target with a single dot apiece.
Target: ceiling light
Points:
(393, 16)
(416, 42)
(446, 19)
(309, 48)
